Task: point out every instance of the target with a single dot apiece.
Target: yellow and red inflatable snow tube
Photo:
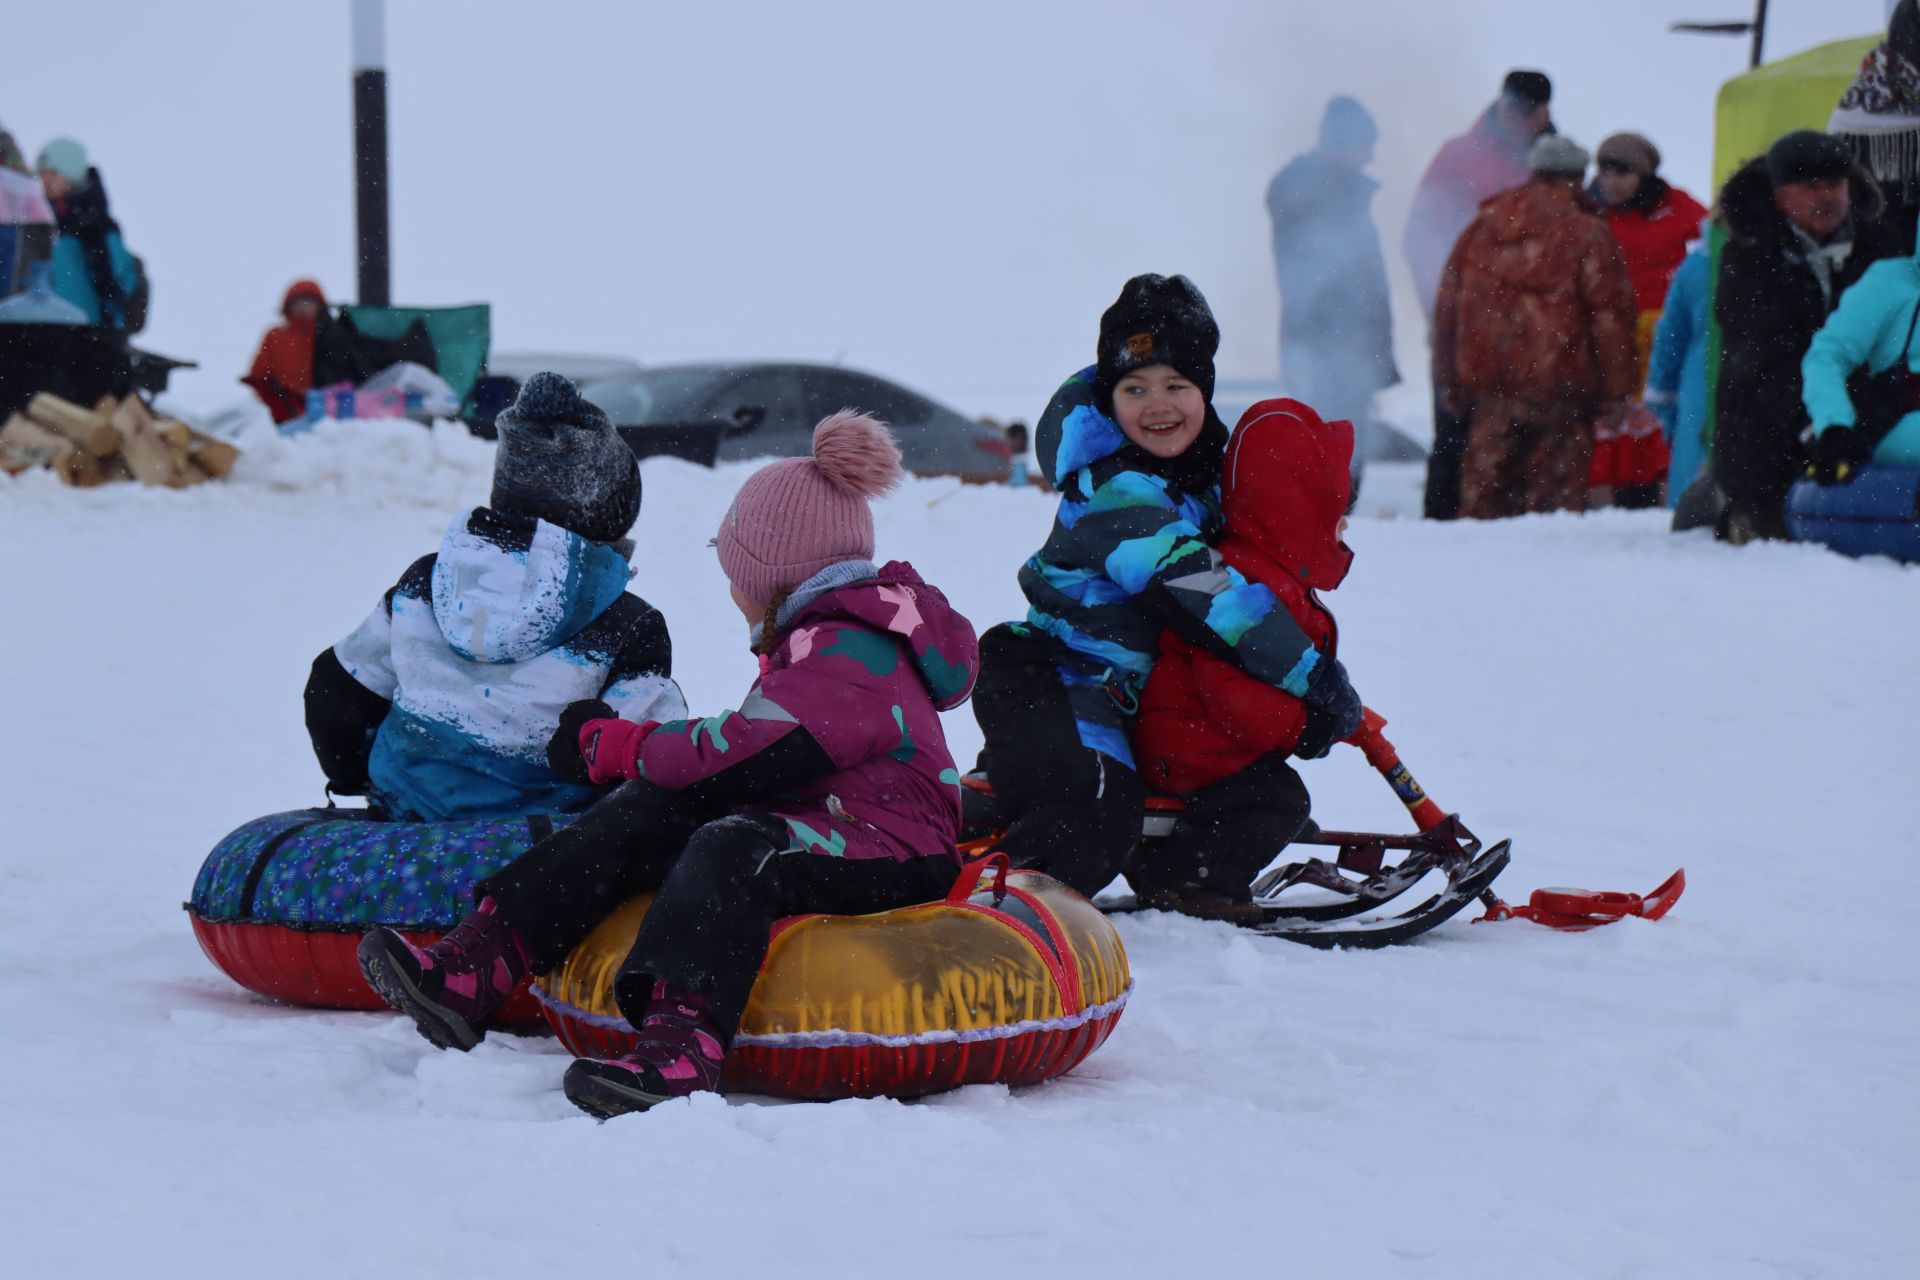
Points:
(1013, 982)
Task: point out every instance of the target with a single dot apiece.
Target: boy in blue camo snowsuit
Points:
(439, 706)
(1134, 447)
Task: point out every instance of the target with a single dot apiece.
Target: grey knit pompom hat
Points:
(561, 461)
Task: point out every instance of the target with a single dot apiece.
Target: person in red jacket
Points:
(1653, 222)
(282, 372)
(1212, 734)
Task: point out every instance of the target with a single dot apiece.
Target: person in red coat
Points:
(1654, 223)
(1209, 732)
(282, 372)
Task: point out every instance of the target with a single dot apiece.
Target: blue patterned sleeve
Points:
(1161, 559)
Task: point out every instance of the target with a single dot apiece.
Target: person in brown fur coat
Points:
(1533, 334)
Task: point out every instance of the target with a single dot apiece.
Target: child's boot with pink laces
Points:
(453, 987)
(679, 1053)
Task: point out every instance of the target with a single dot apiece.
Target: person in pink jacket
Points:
(830, 789)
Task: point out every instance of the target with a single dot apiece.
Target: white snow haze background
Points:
(947, 195)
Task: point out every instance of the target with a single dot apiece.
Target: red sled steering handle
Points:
(1381, 755)
(1372, 743)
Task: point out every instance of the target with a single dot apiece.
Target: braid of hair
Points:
(769, 632)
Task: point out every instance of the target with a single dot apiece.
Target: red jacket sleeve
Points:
(281, 400)
(1690, 211)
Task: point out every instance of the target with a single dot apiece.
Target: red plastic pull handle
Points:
(968, 882)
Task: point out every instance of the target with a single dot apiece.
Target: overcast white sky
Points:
(946, 193)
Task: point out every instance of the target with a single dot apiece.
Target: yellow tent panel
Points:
(1794, 93)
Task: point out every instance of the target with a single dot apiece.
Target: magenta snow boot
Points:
(451, 988)
(679, 1053)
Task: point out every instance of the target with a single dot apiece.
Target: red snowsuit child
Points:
(1209, 732)
(282, 371)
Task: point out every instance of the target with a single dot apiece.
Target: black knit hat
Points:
(1156, 320)
(1808, 156)
(561, 461)
(1528, 90)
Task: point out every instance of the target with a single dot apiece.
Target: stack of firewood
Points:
(114, 440)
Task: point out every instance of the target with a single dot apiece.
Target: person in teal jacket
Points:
(1677, 369)
(92, 266)
(1874, 327)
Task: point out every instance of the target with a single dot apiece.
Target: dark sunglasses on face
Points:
(1614, 166)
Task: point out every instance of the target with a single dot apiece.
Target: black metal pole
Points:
(1759, 32)
(370, 152)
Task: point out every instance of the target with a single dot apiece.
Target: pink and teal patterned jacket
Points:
(864, 670)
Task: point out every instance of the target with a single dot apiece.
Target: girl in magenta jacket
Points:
(830, 790)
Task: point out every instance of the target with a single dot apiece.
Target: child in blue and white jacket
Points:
(439, 706)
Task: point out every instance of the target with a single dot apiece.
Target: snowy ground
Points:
(1729, 1093)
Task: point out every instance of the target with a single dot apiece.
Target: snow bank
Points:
(371, 462)
(1731, 1092)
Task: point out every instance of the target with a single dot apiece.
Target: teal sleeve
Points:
(1845, 343)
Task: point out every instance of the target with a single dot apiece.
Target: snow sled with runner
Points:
(280, 904)
(1877, 513)
(1012, 979)
(1344, 901)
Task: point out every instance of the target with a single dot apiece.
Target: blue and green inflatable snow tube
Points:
(281, 903)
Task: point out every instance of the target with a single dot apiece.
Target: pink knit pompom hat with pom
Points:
(795, 517)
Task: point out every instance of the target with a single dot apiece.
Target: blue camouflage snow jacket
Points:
(477, 650)
(1128, 557)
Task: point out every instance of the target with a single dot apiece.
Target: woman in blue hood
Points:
(439, 706)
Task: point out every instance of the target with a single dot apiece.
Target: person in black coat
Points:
(1803, 225)
(1336, 324)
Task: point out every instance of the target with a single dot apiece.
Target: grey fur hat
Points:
(1559, 154)
(561, 461)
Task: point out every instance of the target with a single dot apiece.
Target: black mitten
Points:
(563, 748)
(1331, 696)
(1838, 453)
(1318, 737)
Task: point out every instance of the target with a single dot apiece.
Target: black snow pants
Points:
(1070, 810)
(557, 891)
(721, 883)
(1442, 500)
(708, 928)
(1229, 832)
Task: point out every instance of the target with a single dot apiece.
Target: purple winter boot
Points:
(451, 988)
(679, 1053)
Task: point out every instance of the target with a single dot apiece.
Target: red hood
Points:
(302, 289)
(1285, 487)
